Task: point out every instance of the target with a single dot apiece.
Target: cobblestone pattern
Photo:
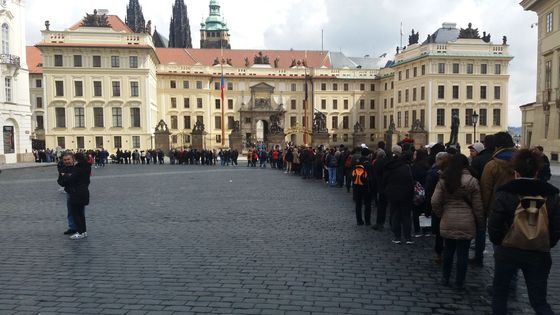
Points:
(185, 240)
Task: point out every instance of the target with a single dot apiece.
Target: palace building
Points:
(103, 85)
(541, 119)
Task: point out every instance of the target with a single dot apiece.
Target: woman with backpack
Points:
(457, 201)
(524, 226)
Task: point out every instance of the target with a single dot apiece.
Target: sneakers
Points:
(396, 242)
(418, 235)
(69, 232)
(78, 236)
(409, 242)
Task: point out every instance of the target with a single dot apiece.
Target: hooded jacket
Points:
(497, 172)
(397, 180)
(503, 211)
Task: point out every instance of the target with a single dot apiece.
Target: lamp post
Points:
(474, 121)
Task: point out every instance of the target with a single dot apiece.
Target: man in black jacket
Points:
(480, 160)
(534, 262)
(379, 194)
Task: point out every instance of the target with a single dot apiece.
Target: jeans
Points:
(462, 249)
(536, 278)
(362, 195)
(401, 217)
(332, 176)
(70, 216)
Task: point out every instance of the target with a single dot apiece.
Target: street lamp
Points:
(474, 121)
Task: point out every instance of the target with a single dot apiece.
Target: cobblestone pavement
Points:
(192, 239)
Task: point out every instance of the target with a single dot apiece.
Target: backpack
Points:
(529, 230)
(348, 161)
(419, 194)
(359, 176)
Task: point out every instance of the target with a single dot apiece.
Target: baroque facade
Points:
(15, 109)
(541, 119)
(422, 86)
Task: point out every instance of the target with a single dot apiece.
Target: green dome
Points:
(214, 22)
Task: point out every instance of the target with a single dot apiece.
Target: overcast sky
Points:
(355, 27)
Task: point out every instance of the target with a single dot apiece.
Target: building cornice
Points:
(528, 4)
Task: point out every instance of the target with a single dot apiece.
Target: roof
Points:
(447, 33)
(93, 45)
(340, 61)
(116, 24)
(160, 40)
(192, 56)
(528, 105)
(34, 60)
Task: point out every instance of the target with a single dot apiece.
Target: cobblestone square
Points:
(193, 239)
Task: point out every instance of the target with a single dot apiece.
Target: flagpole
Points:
(222, 83)
(401, 35)
(305, 103)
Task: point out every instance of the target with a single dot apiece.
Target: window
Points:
(39, 102)
(230, 104)
(406, 117)
(407, 75)
(371, 122)
(483, 117)
(185, 84)
(116, 88)
(186, 102)
(400, 75)
(5, 39)
(406, 95)
(422, 93)
(174, 123)
(135, 117)
(217, 122)
(548, 76)
(469, 92)
(470, 68)
(423, 70)
(38, 83)
(335, 87)
(8, 88)
(423, 117)
(384, 103)
(455, 68)
(96, 60)
(384, 122)
(323, 86)
(294, 87)
(345, 122)
(440, 138)
(79, 117)
(40, 122)
(548, 22)
(399, 119)
(133, 63)
(455, 92)
(372, 87)
(468, 117)
(414, 94)
(441, 67)
(415, 72)
(293, 121)
(58, 61)
(496, 116)
(219, 138)
(371, 104)
(115, 62)
(217, 103)
(392, 102)
(334, 137)
(323, 104)
(98, 117)
(59, 88)
(497, 91)
(362, 121)
(173, 102)
(173, 84)
(335, 104)
(199, 103)
(362, 104)
(441, 91)
(345, 104)
(97, 89)
(363, 87)
(293, 104)
(99, 142)
(60, 113)
(78, 88)
(483, 68)
(399, 96)
(118, 142)
(135, 142)
(77, 61)
(440, 117)
(217, 86)
(117, 117)
(385, 86)
(230, 86)
(497, 68)
(199, 85)
(61, 142)
(230, 122)
(187, 122)
(483, 92)
(468, 138)
(413, 116)
(134, 92)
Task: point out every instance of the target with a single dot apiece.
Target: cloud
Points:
(356, 27)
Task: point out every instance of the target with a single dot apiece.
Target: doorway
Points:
(262, 130)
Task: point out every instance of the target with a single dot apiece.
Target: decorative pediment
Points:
(262, 87)
(7, 13)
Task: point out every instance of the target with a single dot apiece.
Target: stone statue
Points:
(276, 62)
(162, 126)
(454, 130)
(95, 20)
(198, 127)
(275, 127)
(417, 126)
(216, 61)
(148, 29)
(413, 38)
(247, 64)
(398, 49)
(358, 128)
(319, 122)
(261, 59)
(469, 32)
(486, 38)
(236, 126)
(293, 63)
(429, 39)
(229, 62)
(504, 40)
(392, 127)
(47, 25)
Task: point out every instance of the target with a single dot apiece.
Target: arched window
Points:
(5, 39)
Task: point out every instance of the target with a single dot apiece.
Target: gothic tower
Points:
(179, 28)
(214, 33)
(134, 17)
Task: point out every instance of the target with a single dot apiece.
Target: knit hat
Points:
(396, 149)
(478, 147)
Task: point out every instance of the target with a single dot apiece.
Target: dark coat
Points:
(480, 161)
(544, 173)
(378, 169)
(397, 180)
(503, 210)
(76, 182)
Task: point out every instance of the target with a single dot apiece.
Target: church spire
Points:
(135, 17)
(214, 33)
(179, 28)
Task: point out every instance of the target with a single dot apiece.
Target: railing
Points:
(10, 60)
